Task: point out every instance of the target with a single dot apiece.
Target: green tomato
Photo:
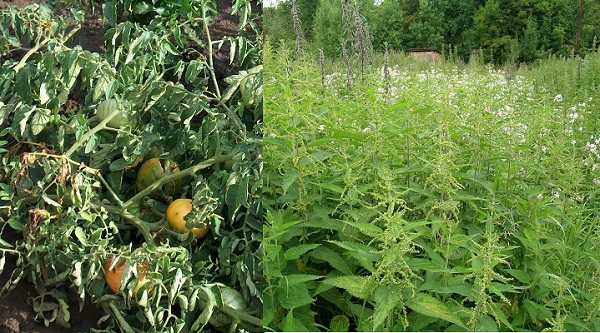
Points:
(107, 107)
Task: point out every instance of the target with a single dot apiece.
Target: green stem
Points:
(29, 53)
(143, 226)
(210, 54)
(123, 324)
(91, 132)
(174, 176)
(242, 316)
(87, 169)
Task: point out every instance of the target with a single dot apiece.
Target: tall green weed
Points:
(464, 200)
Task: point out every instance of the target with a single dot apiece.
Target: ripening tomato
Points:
(114, 276)
(176, 213)
(154, 169)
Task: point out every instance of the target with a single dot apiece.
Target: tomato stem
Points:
(87, 169)
(143, 226)
(90, 133)
(174, 176)
(210, 53)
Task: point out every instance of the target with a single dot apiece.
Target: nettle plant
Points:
(77, 126)
(455, 200)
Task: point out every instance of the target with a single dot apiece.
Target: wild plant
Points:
(463, 203)
(297, 23)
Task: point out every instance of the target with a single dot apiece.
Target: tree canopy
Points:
(501, 30)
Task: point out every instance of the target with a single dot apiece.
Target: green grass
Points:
(464, 202)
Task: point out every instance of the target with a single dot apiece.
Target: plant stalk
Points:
(210, 54)
(174, 176)
(91, 132)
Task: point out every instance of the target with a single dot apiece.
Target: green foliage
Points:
(328, 30)
(464, 199)
(68, 169)
(505, 31)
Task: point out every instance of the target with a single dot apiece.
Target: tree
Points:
(426, 30)
(388, 25)
(580, 17)
(327, 29)
(530, 41)
(278, 25)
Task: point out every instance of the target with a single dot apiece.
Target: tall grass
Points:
(460, 201)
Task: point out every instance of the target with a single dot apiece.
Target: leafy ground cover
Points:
(129, 170)
(442, 197)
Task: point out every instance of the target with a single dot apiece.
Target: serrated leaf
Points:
(339, 323)
(333, 258)
(357, 286)
(293, 279)
(296, 252)
(428, 305)
(293, 296)
(386, 301)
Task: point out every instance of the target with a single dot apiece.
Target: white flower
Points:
(558, 98)
(597, 181)
(555, 194)
(540, 196)
(544, 149)
(321, 128)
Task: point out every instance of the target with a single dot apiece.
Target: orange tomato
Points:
(176, 213)
(114, 276)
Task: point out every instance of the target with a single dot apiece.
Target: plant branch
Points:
(143, 226)
(87, 169)
(91, 132)
(29, 53)
(177, 175)
(210, 54)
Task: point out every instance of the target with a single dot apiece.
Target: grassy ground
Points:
(452, 197)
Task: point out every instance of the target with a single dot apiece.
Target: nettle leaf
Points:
(297, 251)
(291, 324)
(339, 323)
(293, 279)
(357, 286)
(368, 229)
(333, 258)
(386, 300)
(293, 296)
(430, 306)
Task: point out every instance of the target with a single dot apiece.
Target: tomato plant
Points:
(94, 148)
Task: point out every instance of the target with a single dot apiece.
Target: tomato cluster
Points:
(151, 171)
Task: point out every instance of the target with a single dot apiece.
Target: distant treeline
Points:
(499, 30)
